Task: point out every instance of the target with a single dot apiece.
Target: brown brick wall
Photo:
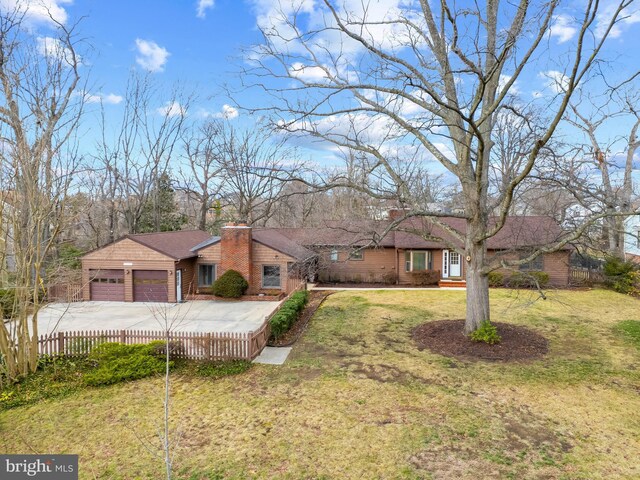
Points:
(236, 251)
(376, 265)
(263, 255)
(260, 254)
(555, 264)
(404, 277)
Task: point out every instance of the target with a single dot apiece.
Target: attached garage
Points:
(149, 267)
(150, 286)
(107, 285)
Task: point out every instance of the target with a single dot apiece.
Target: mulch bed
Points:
(446, 337)
(315, 300)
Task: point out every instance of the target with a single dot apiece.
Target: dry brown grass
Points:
(358, 400)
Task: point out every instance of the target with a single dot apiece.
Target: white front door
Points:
(179, 286)
(454, 264)
(451, 266)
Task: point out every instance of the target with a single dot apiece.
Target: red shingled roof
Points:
(273, 238)
(354, 233)
(518, 232)
(173, 244)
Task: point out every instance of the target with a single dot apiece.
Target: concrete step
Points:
(452, 283)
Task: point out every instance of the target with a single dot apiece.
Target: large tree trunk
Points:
(477, 281)
(615, 235)
(204, 208)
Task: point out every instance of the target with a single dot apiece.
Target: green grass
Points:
(357, 399)
(630, 329)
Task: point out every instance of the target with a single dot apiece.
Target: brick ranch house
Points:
(175, 266)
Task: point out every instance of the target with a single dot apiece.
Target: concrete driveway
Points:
(195, 316)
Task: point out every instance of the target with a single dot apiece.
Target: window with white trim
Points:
(271, 276)
(417, 260)
(334, 255)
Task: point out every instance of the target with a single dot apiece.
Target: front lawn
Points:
(357, 399)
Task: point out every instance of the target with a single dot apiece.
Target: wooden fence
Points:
(195, 346)
(65, 292)
(585, 276)
(294, 284)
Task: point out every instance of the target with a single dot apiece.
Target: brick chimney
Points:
(236, 250)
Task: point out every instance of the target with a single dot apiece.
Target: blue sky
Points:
(198, 42)
(136, 34)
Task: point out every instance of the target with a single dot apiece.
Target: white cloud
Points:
(228, 112)
(563, 28)
(628, 17)
(172, 109)
(203, 6)
(385, 24)
(557, 81)
(502, 83)
(110, 98)
(151, 56)
(307, 74)
(55, 49)
(38, 11)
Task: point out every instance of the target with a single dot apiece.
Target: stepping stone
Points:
(273, 355)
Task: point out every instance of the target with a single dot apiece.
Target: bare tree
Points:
(429, 77)
(132, 159)
(201, 179)
(611, 155)
(39, 115)
(257, 165)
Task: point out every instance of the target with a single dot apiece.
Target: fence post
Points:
(123, 336)
(60, 343)
(209, 346)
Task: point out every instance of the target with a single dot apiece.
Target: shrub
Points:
(622, 276)
(230, 285)
(389, 278)
(528, 280)
(425, 277)
(496, 279)
(158, 348)
(116, 362)
(542, 278)
(487, 333)
(284, 318)
(55, 377)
